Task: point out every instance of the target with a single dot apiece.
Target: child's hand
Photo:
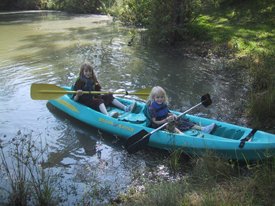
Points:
(170, 118)
(97, 87)
(79, 92)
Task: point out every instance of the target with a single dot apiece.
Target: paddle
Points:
(140, 139)
(51, 91)
(247, 138)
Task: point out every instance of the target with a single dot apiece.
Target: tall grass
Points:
(22, 177)
(262, 98)
(26, 176)
(213, 181)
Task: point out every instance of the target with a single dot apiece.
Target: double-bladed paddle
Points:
(140, 139)
(51, 91)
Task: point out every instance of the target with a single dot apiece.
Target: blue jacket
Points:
(158, 111)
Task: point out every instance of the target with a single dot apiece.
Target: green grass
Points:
(247, 30)
(211, 181)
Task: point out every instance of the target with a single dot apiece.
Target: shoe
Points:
(114, 114)
(131, 107)
(208, 129)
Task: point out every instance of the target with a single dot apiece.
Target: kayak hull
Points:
(224, 141)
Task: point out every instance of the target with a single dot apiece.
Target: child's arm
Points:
(161, 122)
(77, 87)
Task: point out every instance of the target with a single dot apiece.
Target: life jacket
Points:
(88, 85)
(161, 111)
(85, 85)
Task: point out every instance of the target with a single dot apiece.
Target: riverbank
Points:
(243, 34)
(208, 181)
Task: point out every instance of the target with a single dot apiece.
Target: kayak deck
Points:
(222, 129)
(137, 117)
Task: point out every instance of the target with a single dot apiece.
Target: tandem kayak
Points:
(227, 140)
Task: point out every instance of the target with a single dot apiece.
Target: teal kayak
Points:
(227, 140)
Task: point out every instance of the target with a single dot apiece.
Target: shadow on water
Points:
(80, 139)
(96, 157)
(92, 142)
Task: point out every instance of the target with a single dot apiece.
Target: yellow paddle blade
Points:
(47, 91)
(51, 91)
(141, 93)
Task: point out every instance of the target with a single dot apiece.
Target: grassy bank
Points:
(247, 30)
(247, 27)
(197, 181)
(211, 181)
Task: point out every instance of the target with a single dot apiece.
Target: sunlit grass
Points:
(247, 29)
(245, 34)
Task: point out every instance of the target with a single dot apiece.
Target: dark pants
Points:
(94, 103)
(182, 124)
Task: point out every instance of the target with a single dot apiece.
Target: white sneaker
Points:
(208, 129)
(114, 114)
(131, 107)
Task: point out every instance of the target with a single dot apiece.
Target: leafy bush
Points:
(20, 5)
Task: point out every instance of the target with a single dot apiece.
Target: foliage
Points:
(20, 4)
(80, 6)
(74, 6)
(166, 20)
(131, 12)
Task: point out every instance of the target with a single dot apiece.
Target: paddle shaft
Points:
(160, 127)
(88, 92)
(51, 91)
(142, 137)
(247, 138)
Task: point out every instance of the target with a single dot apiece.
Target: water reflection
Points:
(31, 16)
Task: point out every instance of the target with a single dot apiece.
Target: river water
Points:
(49, 47)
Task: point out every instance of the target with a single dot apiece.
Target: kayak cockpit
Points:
(230, 133)
(133, 118)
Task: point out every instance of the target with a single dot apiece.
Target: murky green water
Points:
(48, 47)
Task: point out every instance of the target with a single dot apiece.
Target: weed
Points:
(174, 160)
(22, 173)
